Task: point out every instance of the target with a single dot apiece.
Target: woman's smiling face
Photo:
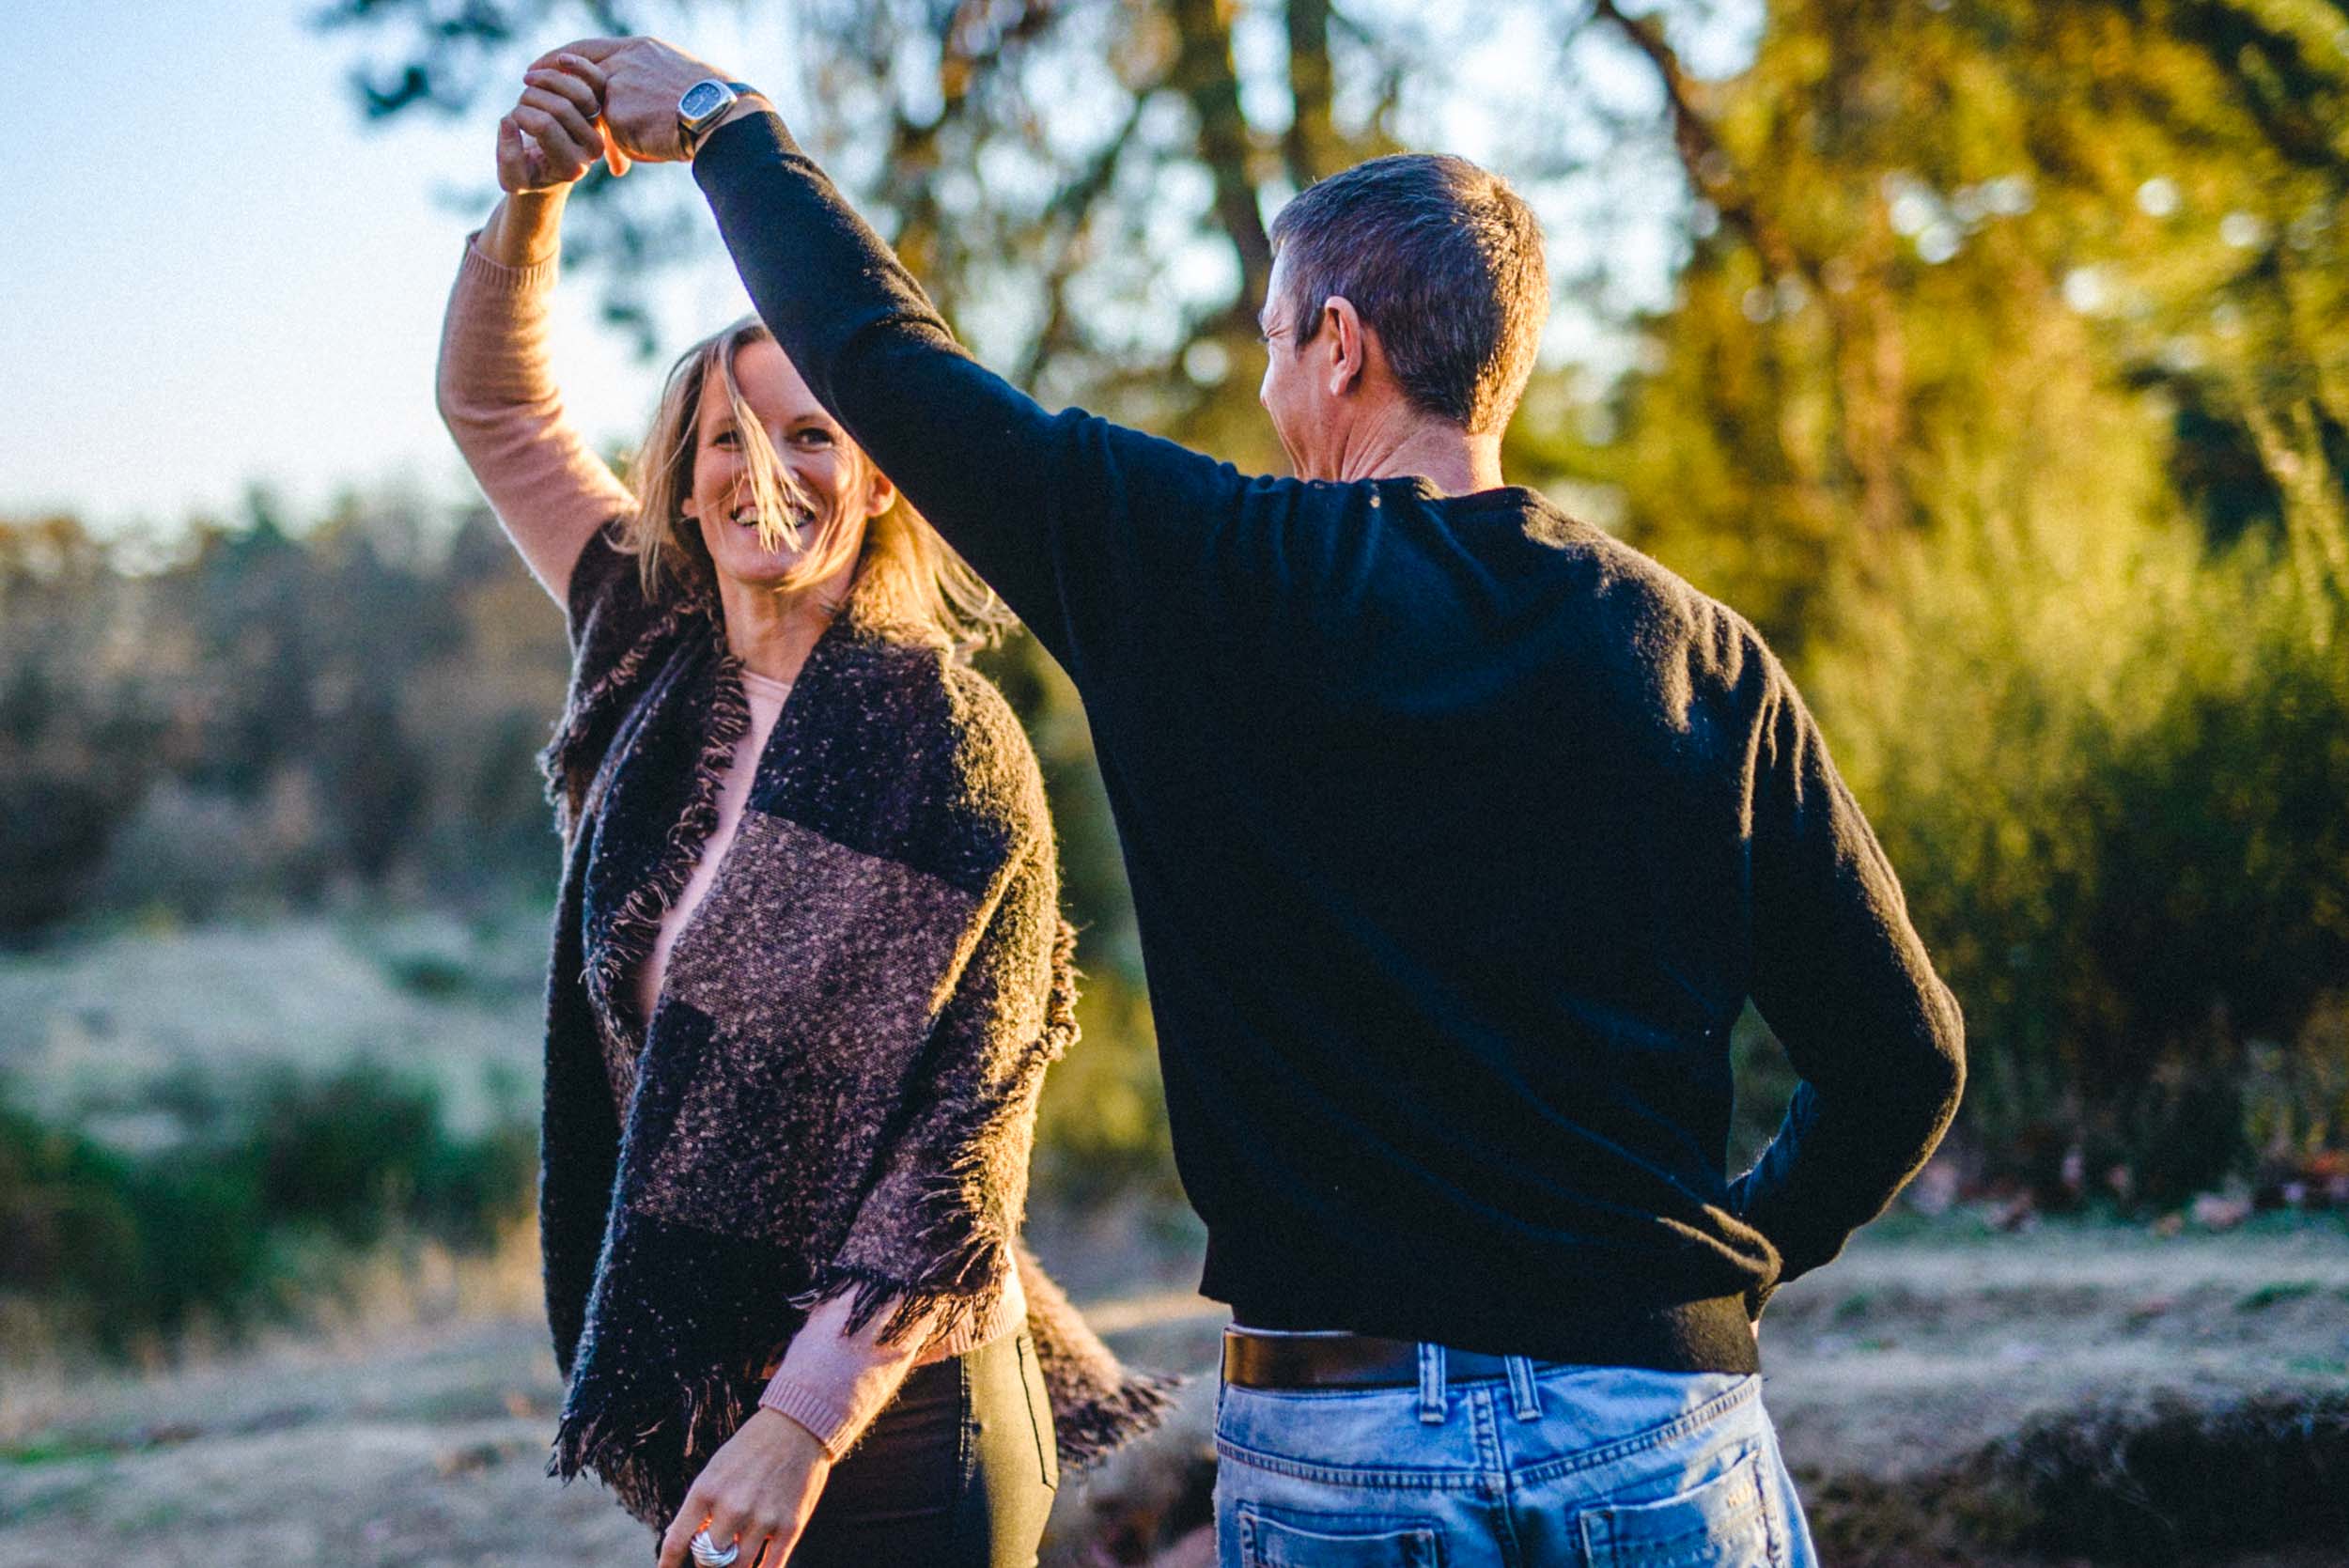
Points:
(826, 483)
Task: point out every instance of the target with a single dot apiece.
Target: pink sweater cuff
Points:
(480, 270)
(828, 1423)
(834, 1383)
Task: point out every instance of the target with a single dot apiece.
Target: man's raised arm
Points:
(969, 450)
(1062, 514)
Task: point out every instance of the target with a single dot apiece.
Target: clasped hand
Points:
(612, 99)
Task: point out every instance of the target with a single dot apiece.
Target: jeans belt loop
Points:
(1522, 1392)
(1431, 1392)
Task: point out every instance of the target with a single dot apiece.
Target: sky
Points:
(213, 274)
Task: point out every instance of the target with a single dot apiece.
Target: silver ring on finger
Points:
(708, 1554)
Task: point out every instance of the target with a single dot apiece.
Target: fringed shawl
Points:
(837, 1090)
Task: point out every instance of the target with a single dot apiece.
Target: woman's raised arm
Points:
(495, 390)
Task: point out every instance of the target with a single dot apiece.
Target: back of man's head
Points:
(1443, 260)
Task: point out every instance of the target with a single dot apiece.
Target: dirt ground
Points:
(424, 1445)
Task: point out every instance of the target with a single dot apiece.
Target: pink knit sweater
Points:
(552, 493)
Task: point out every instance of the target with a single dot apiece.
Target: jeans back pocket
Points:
(1335, 1542)
(1724, 1522)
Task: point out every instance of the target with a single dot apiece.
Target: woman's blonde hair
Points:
(907, 581)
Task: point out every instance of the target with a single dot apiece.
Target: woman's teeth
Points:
(747, 518)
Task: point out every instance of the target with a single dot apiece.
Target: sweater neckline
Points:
(1515, 497)
(758, 684)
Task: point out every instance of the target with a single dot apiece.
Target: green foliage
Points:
(2003, 388)
(1102, 1126)
(1766, 1081)
(366, 1148)
(133, 1251)
(347, 1152)
(2136, 862)
(134, 1247)
(2277, 1294)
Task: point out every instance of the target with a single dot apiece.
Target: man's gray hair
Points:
(1443, 260)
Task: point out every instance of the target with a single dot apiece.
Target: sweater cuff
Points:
(826, 1420)
(481, 271)
(740, 139)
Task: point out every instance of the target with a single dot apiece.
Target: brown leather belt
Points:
(1342, 1361)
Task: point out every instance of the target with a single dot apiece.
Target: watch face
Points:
(700, 99)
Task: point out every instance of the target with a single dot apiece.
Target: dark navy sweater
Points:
(1459, 835)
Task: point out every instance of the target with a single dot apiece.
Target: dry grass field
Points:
(2074, 1395)
(2079, 1393)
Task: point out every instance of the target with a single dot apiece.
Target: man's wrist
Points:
(743, 107)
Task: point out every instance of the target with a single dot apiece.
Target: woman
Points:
(808, 964)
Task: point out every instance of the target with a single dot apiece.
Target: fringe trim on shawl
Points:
(1089, 1421)
(704, 1413)
(559, 761)
(1089, 1431)
(636, 923)
(958, 1285)
(1060, 1005)
(959, 1304)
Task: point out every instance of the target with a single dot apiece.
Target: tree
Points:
(2005, 255)
(1084, 187)
(2002, 386)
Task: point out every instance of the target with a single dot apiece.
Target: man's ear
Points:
(1349, 352)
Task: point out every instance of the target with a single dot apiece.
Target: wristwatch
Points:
(705, 105)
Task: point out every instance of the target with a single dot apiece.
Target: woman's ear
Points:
(880, 493)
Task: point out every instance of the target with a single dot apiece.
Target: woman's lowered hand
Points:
(757, 1490)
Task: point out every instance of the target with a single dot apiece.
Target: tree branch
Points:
(1711, 170)
(1311, 145)
(1071, 210)
(1205, 74)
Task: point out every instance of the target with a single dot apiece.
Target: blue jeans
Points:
(1583, 1465)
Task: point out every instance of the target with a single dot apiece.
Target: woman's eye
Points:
(726, 437)
(815, 437)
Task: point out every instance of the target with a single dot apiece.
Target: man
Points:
(1459, 835)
